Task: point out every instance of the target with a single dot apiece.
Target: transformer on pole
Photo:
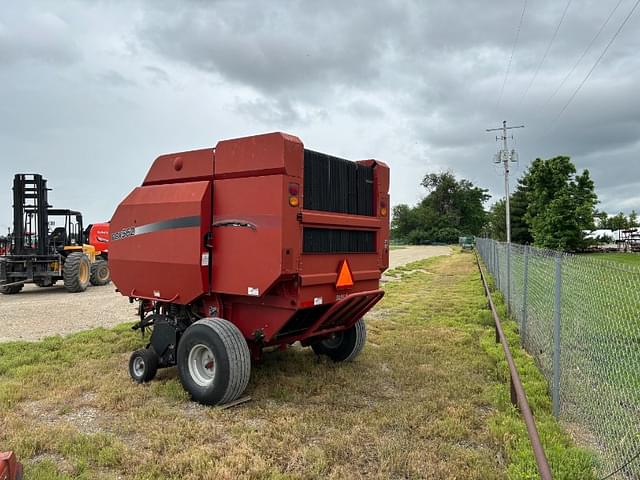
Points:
(505, 156)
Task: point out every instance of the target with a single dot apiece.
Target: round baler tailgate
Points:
(157, 248)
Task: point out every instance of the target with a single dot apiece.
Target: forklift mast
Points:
(30, 215)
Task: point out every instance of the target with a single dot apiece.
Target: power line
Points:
(513, 49)
(593, 40)
(584, 80)
(555, 34)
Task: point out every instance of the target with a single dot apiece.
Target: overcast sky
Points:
(92, 92)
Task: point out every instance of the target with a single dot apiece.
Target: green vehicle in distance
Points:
(467, 243)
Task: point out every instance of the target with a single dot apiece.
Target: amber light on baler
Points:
(293, 194)
(383, 208)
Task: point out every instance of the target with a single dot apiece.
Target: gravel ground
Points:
(402, 256)
(37, 312)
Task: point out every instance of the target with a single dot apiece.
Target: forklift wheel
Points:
(143, 365)
(100, 273)
(343, 346)
(11, 289)
(214, 363)
(76, 272)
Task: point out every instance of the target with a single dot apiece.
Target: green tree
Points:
(401, 221)
(518, 205)
(618, 222)
(458, 204)
(561, 203)
(451, 208)
(602, 218)
(497, 221)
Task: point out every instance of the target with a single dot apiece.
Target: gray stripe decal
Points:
(181, 222)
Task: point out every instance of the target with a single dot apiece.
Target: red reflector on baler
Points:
(345, 278)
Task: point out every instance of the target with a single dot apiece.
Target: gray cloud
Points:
(413, 83)
(36, 36)
(287, 45)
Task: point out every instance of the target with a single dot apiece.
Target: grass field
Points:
(619, 257)
(428, 398)
(599, 337)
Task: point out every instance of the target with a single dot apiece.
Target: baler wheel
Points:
(343, 346)
(11, 289)
(214, 362)
(100, 274)
(143, 365)
(76, 272)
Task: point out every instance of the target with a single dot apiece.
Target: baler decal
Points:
(181, 222)
(235, 223)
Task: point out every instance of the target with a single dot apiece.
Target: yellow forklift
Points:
(34, 254)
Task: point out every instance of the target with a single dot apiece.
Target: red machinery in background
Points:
(10, 469)
(97, 234)
(254, 243)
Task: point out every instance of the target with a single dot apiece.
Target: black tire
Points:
(343, 346)
(143, 365)
(100, 274)
(214, 363)
(11, 289)
(76, 272)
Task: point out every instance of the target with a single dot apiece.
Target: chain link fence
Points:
(579, 317)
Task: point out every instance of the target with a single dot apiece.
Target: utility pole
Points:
(505, 156)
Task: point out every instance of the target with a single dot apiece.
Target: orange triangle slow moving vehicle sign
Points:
(345, 279)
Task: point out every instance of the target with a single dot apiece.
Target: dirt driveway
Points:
(37, 312)
(412, 253)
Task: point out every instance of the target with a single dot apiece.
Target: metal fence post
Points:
(555, 386)
(525, 294)
(490, 248)
(495, 263)
(497, 277)
(508, 279)
(493, 258)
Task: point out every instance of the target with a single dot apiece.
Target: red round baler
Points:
(257, 242)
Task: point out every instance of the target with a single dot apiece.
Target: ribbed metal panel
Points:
(328, 240)
(332, 184)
